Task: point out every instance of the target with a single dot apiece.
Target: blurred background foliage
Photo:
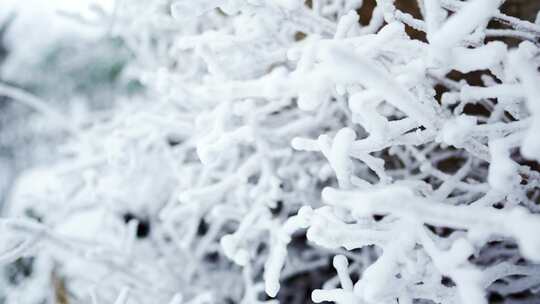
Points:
(74, 68)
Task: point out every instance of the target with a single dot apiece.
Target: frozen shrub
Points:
(279, 140)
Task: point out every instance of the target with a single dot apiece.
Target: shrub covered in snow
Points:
(284, 152)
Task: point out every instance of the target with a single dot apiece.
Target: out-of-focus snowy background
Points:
(53, 50)
(46, 48)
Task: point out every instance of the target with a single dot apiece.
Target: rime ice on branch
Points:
(407, 162)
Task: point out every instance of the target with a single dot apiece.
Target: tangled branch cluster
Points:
(279, 138)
